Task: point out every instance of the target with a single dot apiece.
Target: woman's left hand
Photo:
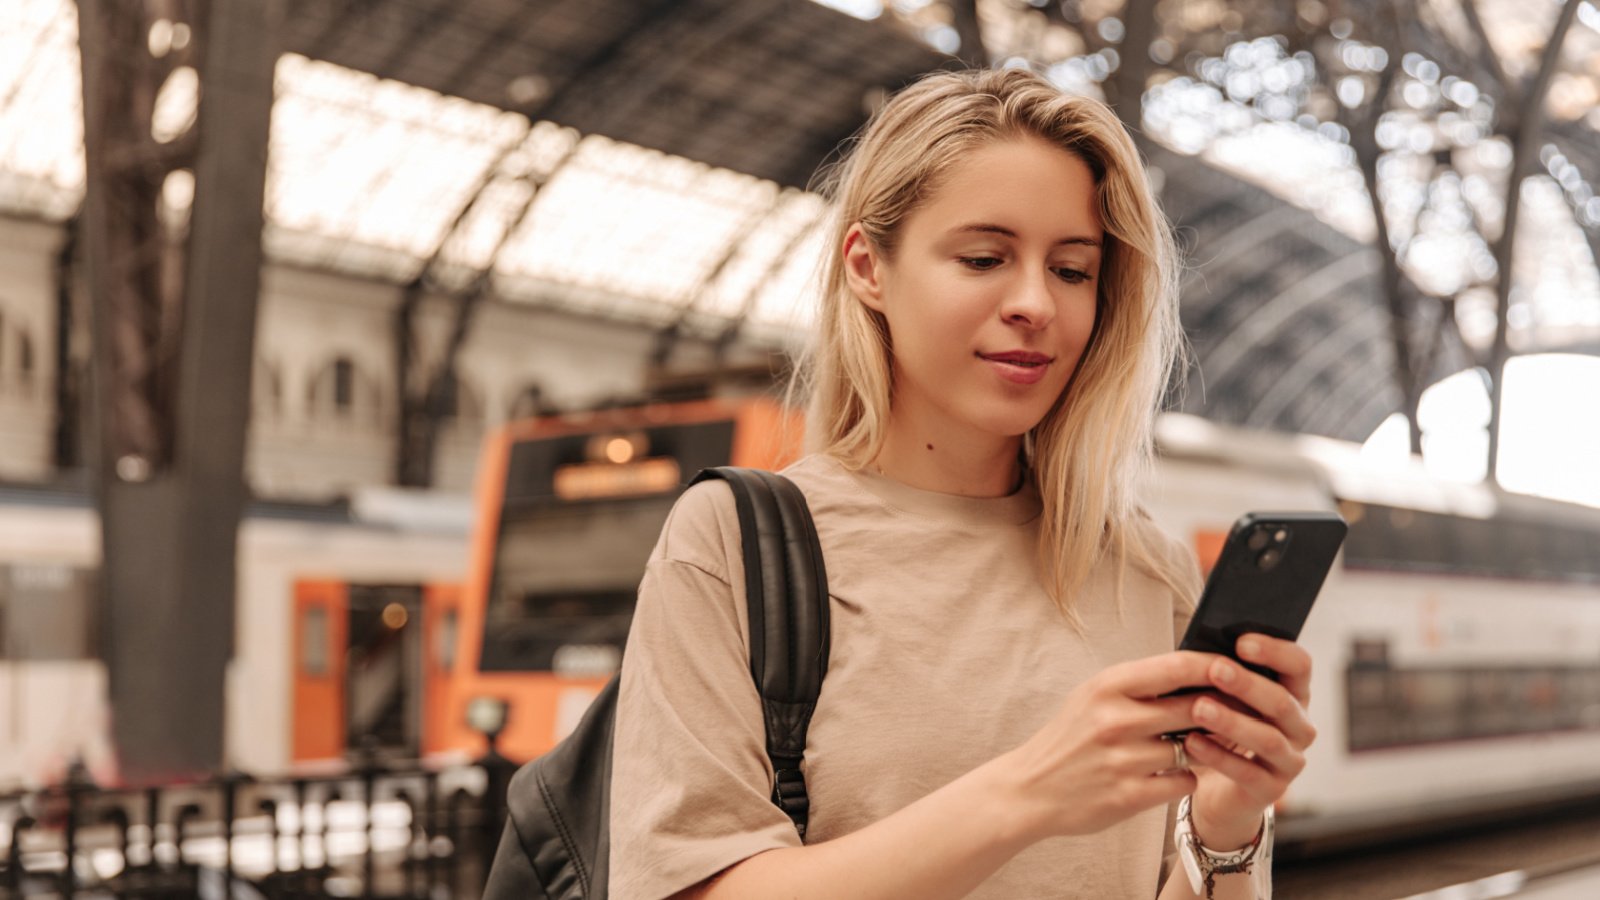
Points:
(1248, 762)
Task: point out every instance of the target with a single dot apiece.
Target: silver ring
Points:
(1180, 758)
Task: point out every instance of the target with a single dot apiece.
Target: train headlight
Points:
(487, 715)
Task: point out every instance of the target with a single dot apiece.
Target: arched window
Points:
(344, 385)
(337, 390)
(25, 357)
(529, 402)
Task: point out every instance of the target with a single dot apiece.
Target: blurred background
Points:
(352, 352)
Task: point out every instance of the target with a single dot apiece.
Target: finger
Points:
(1232, 703)
(1268, 698)
(1288, 659)
(1229, 701)
(1248, 774)
(1154, 676)
(1153, 756)
(1164, 715)
(1270, 745)
(1163, 787)
(1124, 722)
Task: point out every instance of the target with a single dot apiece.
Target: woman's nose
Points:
(1029, 303)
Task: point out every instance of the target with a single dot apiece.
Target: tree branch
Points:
(964, 19)
(1525, 150)
(1490, 57)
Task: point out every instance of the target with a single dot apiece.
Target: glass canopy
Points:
(367, 177)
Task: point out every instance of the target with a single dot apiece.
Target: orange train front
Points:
(569, 509)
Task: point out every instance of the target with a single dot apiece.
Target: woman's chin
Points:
(1008, 426)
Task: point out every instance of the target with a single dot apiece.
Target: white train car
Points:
(52, 692)
(390, 544)
(1456, 642)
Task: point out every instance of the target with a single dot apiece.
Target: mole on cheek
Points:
(930, 446)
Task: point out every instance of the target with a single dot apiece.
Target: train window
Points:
(314, 642)
(1414, 540)
(1398, 707)
(530, 475)
(1518, 548)
(47, 612)
(567, 574)
(567, 563)
(445, 641)
(549, 627)
(1481, 547)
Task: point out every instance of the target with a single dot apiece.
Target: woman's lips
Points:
(1018, 367)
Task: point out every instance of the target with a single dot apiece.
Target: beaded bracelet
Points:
(1203, 864)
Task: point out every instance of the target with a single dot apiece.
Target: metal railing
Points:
(377, 830)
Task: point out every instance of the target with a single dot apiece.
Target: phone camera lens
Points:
(1269, 559)
(1258, 539)
(1281, 535)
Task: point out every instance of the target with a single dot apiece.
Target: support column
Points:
(174, 310)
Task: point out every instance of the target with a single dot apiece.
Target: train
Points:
(348, 601)
(1457, 641)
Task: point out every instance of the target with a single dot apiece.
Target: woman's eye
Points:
(1072, 276)
(981, 263)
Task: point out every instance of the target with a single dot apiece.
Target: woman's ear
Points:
(862, 268)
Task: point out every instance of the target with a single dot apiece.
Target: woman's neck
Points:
(990, 468)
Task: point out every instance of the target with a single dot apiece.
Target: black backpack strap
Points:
(786, 589)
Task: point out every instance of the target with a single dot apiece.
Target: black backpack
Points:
(556, 842)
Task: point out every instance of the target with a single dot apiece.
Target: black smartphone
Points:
(1269, 573)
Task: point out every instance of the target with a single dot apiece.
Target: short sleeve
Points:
(691, 781)
(1179, 571)
(1191, 582)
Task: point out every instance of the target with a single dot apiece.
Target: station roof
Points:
(766, 88)
(647, 160)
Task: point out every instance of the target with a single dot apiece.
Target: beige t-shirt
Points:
(946, 652)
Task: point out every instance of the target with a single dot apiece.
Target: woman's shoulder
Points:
(702, 528)
(1173, 561)
(1144, 528)
(699, 528)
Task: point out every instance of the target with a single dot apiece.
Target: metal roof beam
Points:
(651, 17)
(426, 24)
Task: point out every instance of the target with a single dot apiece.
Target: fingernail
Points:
(1223, 672)
(1249, 648)
(1205, 711)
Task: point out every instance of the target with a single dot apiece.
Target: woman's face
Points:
(990, 293)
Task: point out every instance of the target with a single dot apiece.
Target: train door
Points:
(383, 673)
(441, 605)
(372, 669)
(319, 640)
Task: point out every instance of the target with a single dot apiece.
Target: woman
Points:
(998, 323)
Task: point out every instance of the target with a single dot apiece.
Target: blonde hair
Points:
(1090, 453)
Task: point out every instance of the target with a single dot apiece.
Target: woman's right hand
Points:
(1102, 758)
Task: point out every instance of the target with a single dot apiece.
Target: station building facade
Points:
(325, 392)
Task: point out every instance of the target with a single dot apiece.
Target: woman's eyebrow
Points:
(987, 228)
